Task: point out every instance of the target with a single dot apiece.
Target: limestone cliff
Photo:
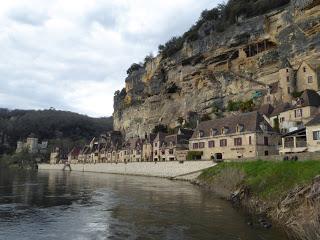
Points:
(239, 63)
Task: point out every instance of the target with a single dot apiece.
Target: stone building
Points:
(58, 155)
(300, 113)
(147, 147)
(308, 76)
(158, 147)
(32, 145)
(294, 142)
(287, 83)
(176, 143)
(313, 134)
(73, 155)
(242, 136)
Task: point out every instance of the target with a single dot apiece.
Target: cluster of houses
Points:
(287, 129)
(293, 126)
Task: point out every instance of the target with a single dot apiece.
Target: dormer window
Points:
(201, 134)
(240, 128)
(224, 130)
(213, 132)
(263, 127)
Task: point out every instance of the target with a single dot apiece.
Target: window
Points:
(211, 144)
(282, 119)
(155, 144)
(289, 91)
(316, 135)
(298, 113)
(224, 130)
(240, 128)
(250, 140)
(156, 152)
(171, 151)
(223, 143)
(310, 79)
(201, 134)
(287, 70)
(238, 141)
(195, 145)
(214, 132)
(266, 141)
(268, 99)
(304, 69)
(201, 145)
(288, 79)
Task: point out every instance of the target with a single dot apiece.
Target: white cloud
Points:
(73, 54)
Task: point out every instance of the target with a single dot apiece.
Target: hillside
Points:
(48, 125)
(233, 53)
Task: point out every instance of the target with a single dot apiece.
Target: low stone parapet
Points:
(152, 169)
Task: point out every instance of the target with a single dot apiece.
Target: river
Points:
(74, 205)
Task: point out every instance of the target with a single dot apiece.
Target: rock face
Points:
(237, 64)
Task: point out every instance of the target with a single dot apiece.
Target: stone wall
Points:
(159, 169)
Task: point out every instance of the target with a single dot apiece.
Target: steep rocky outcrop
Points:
(236, 64)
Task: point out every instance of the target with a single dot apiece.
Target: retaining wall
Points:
(159, 169)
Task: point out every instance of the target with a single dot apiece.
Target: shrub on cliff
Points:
(221, 16)
(160, 128)
(134, 67)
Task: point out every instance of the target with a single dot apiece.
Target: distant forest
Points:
(60, 127)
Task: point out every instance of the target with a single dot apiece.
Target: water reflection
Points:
(64, 205)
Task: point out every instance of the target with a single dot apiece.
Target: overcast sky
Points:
(73, 54)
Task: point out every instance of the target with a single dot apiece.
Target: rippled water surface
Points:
(71, 205)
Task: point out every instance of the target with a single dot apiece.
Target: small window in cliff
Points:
(173, 89)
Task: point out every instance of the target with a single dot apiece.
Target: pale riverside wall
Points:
(160, 169)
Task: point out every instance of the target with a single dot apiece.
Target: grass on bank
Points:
(266, 179)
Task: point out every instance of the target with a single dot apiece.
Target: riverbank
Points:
(286, 192)
(187, 170)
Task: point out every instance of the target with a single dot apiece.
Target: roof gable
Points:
(249, 122)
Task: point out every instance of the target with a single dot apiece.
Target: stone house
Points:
(313, 134)
(274, 120)
(84, 154)
(158, 147)
(58, 155)
(73, 155)
(174, 144)
(294, 142)
(308, 75)
(134, 147)
(304, 109)
(246, 135)
(147, 147)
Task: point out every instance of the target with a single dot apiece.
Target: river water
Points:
(71, 205)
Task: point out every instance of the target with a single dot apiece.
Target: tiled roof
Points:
(177, 139)
(310, 98)
(249, 121)
(281, 108)
(314, 121)
(160, 136)
(313, 63)
(186, 131)
(266, 110)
